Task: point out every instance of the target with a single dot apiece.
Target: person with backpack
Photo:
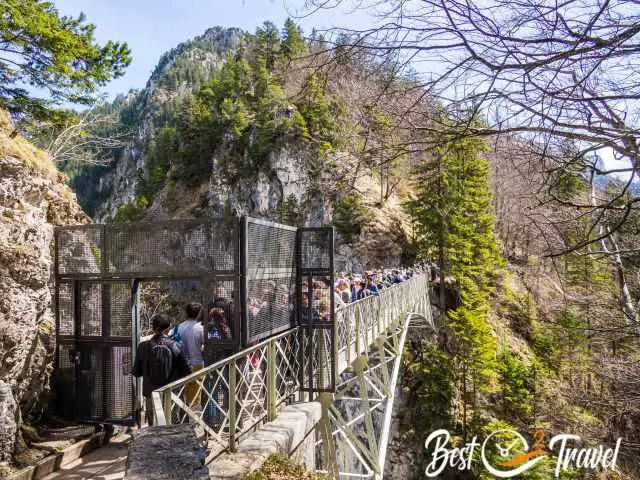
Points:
(191, 335)
(159, 361)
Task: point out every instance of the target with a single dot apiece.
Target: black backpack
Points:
(161, 362)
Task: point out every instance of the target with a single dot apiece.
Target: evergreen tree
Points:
(292, 44)
(42, 49)
(268, 43)
(454, 221)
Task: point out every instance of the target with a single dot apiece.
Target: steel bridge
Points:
(270, 287)
(240, 392)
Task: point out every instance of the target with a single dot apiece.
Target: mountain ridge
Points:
(276, 161)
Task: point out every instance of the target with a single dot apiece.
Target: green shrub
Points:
(131, 212)
(517, 386)
(349, 215)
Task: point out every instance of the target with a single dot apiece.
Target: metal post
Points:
(358, 339)
(166, 401)
(325, 428)
(242, 276)
(271, 381)
(348, 335)
(301, 350)
(367, 321)
(232, 406)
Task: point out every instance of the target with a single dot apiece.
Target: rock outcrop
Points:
(33, 200)
(293, 183)
(166, 452)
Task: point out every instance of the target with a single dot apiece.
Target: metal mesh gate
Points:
(316, 308)
(270, 278)
(98, 272)
(94, 354)
(249, 274)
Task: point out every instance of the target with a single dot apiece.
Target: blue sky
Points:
(151, 27)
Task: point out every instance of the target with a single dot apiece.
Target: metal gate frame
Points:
(183, 243)
(96, 245)
(103, 344)
(319, 343)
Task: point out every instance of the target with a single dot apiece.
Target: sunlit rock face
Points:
(33, 200)
(292, 184)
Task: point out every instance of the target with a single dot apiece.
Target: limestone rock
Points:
(8, 425)
(166, 452)
(33, 200)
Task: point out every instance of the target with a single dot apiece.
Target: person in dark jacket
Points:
(143, 364)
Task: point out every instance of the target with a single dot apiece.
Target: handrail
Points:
(213, 366)
(229, 398)
(380, 293)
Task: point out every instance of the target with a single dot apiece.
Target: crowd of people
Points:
(351, 287)
(172, 353)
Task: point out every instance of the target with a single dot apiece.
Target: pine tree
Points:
(41, 48)
(454, 221)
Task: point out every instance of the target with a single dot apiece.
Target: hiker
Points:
(217, 331)
(218, 327)
(191, 334)
(159, 361)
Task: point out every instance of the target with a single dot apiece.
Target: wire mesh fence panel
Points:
(91, 309)
(119, 302)
(270, 278)
(316, 248)
(101, 349)
(64, 310)
(79, 249)
(174, 247)
(118, 391)
(90, 398)
(316, 308)
(65, 378)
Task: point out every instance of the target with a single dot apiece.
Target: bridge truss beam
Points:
(356, 421)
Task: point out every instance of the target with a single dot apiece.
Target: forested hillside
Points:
(534, 342)
(263, 124)
(535, 244)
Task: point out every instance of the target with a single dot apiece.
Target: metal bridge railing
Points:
(229, 398)
(361, 323)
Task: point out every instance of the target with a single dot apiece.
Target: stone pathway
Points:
(105, 463)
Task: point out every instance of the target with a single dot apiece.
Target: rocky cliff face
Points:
(293, 184)
(33, 200)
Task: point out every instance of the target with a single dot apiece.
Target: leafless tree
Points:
(547, 72)
(88, 137)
